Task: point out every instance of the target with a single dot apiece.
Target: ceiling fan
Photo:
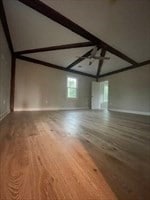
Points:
(93, 56)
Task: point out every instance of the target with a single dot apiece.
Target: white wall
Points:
(5, 75)
(129, 91)
(43, 88)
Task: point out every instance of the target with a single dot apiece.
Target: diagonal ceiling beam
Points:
(12, 83)
(126, 68)
(64, 21)
(102, 54)
(59, 18)
(80, 59)
(52, 65)
(53, 48)
(5, 26)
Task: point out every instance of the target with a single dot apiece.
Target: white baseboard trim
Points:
(3, 115)
(49, 109)
(131, 112)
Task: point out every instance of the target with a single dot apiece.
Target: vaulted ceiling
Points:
(57, 32)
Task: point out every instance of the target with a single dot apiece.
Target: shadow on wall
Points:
(32, 98)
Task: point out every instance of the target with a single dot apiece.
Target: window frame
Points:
(73, 98)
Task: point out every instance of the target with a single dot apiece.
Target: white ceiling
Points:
(60, 57)
(29, 29)
(124, 24)
(84, 67)
(114, 63)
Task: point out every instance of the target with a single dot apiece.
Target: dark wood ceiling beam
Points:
(5, 26)
(119, 54)
(58, 47)
(80, 59)
(100, 64)
(126, 69)
(64, 21)
(52, 65)
(59, 18)
(12, 82)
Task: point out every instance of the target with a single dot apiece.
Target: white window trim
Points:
(72, 98)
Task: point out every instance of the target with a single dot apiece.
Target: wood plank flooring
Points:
(74, 155)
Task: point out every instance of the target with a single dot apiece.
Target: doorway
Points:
(100, 95)
(104, 89)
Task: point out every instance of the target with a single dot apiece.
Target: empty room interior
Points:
(74, 100)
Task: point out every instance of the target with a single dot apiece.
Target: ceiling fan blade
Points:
(94, 51)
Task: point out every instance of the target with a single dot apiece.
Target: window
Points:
(71, 87)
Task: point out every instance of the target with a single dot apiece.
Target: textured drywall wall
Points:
(43, 88)
(130, 90)
(5, 75)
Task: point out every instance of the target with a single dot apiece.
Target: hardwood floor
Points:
(74, 155)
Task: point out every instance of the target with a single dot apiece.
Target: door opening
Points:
(104, 89)
(100, 95)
